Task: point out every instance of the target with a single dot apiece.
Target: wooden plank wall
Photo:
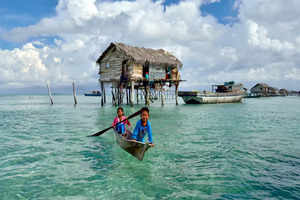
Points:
(157, 72)
(113, 70)
(136, 71)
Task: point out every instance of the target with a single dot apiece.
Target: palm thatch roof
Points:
(263, 85)
(141, 55)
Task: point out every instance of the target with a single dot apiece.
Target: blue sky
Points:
(16, 13)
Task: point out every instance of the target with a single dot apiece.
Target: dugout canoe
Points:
(135, 148)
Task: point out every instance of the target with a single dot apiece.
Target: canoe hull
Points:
(92, 95)
(135, 148)
(199, 98)
(212, 100)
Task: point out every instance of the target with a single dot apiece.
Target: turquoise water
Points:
(226, 151)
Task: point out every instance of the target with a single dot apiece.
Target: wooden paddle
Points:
(129, 117)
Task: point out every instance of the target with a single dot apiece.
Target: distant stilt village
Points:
(134, 75)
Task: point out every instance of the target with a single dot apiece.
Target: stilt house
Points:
(132, 68)
(263, 89)
(283, 92)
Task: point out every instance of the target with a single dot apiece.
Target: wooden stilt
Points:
(104, 93)
(121, 95)
(137, 95)
(176, 92)
(147, 99)
(162, 95)
(145, 95)
(102, 98)
(113, 100)
(49, 93)
(118, 95)
(131, 93)
(127, 100)
(74, 93)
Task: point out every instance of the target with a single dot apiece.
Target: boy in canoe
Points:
(121, 127)
(143, 127)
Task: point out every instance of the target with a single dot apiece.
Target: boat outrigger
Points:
(135, 148)
(227, 93)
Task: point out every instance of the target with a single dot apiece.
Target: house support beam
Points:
(176, 92)
(162, 95)
(137, 95)
(131, 93)
(102, 96)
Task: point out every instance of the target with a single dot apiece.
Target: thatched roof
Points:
(141, 55)
(263, 85)
(283, 90)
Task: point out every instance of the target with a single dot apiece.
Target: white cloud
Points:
(262, 46)
(79, 10)
(22, 65)
(258, 36)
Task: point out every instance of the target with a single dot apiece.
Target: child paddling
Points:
(143, 127)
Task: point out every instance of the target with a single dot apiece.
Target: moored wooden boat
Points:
(94, 93)
(135, 148)
(229, 92)
(202, 98)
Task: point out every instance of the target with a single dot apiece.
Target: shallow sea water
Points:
(249, 150)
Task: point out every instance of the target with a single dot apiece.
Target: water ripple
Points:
(226, 151)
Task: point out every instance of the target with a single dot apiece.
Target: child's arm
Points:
(135, 131)
(115, 121)
(150, 134)
(128, 123)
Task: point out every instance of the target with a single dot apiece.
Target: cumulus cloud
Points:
(21, 66)
(262, 46)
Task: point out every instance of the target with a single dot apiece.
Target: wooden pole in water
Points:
(162, 95)
(127, 100)
(147, 96)
(137, 95)
(104, 93)
(114, 101)
(120, 93)
(176, 92)
(102, 98)
(112, 97)
(116, 96)
(74, 93)
(119, 96)
(49, 93)
(131, 93)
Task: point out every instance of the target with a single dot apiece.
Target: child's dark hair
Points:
(145, 109)
(120, 108)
